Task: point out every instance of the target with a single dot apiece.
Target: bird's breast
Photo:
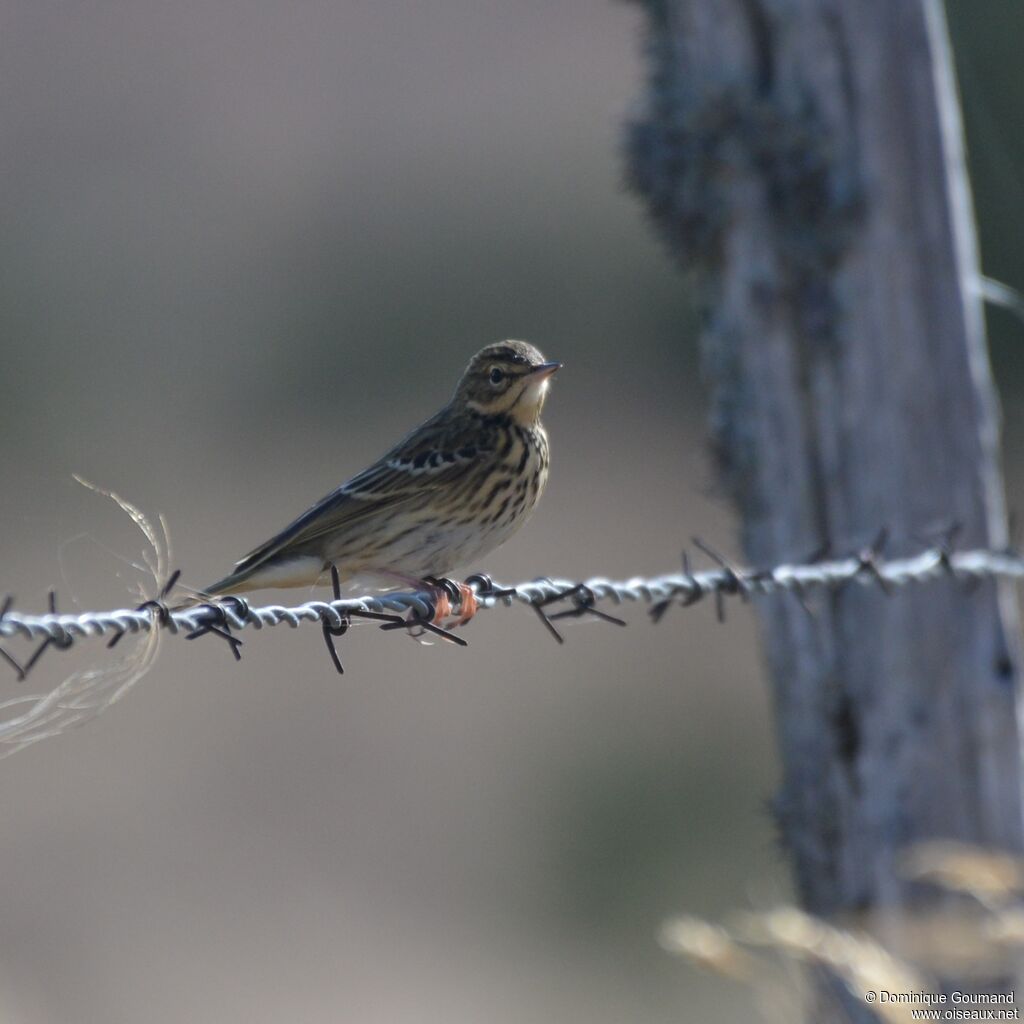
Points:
(461, 523)
(517, 479)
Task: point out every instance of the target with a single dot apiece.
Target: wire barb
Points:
(10, 658)
(158, 606)
(733, 581)
(220, 627)
(485, 586)
(339, 628)
(59, 639)
(583, 599)
(867, 560)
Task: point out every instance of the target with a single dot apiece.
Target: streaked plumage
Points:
(451, 491)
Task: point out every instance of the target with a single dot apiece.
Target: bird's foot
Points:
(467, 604)
(445, 594)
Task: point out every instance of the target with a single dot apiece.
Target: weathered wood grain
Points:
(803, 160)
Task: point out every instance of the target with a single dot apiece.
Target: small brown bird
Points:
(454, 489)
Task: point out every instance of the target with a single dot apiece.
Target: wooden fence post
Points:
(804, 161)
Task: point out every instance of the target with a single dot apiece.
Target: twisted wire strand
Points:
(684, 587)
(28, 718)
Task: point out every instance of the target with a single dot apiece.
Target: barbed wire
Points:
(87, 693)
(416, 608)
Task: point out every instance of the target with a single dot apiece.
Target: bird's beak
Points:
(545, 370)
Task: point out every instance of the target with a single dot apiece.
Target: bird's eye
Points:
(496, 375)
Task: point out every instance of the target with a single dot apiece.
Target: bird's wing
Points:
(426, 461)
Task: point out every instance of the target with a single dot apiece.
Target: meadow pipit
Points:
(454, 489)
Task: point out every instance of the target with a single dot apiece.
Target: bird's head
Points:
(508, 377)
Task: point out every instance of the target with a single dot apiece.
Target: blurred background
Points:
(243, 248)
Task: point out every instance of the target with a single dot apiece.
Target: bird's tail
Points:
(233, 583)
(299, 571)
